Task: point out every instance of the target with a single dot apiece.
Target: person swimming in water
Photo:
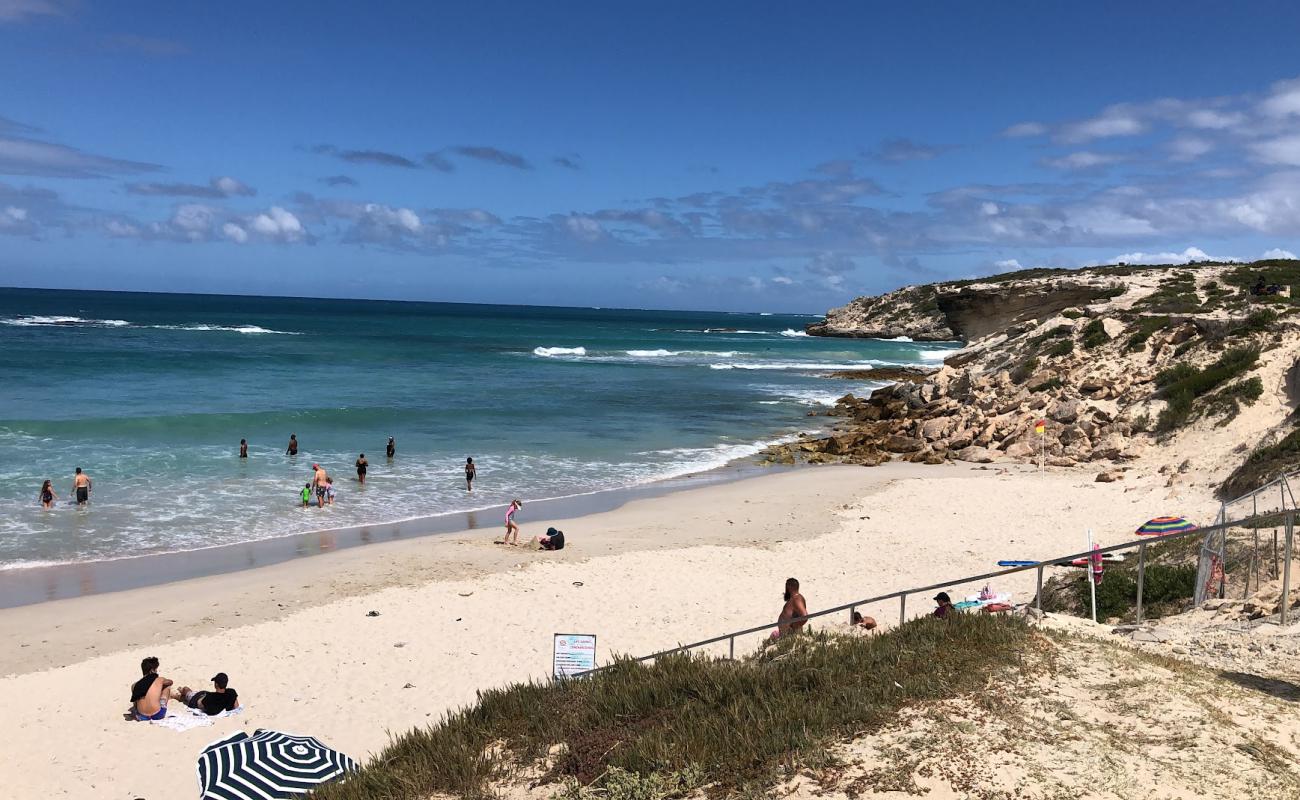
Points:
(362, 466)
(512, 529)
(243, 448)
(292, 449)
(471, 472)
(81, 484)
(392, 447)
(47, 494)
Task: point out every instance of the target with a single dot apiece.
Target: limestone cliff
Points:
(1175, 369)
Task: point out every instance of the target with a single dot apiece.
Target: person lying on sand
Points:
(867, 623)
(794, 607)
(553, 540)
(221, 698)
(149, 694)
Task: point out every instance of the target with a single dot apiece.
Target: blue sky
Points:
(739, 156)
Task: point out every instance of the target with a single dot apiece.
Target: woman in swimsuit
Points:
(362, 466)
(511, 528)
(47, 495)
(471, 472)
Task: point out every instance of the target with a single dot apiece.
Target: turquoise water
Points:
(151, 394)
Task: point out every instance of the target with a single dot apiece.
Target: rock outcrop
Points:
(1092, 358)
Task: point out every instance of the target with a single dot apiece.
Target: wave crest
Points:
(549, 352)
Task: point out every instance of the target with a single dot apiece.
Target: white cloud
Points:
(1082, 160)
(230, 187)
(1025, 129)
(234, 233)
(782, 280)
(1189, 148)
(17, 10)
(120, 229)
(1186, 257)
(279, 225)
(194, 221)
(1283, 99)
(1008, 264)
(583, 227)
(1209, 119)
(1278, 252)
(1114, 121)
(14, 214)
(1282, 150)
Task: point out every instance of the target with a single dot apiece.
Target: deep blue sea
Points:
(151, 393)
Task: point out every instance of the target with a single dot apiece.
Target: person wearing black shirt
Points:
(222, 698)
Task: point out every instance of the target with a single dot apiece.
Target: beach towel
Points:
(184, 718)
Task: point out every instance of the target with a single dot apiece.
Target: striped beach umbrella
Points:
(1163, 526)
(267, 765)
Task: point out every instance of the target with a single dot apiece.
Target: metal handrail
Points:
(901, 595)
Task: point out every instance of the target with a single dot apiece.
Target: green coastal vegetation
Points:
(690, 722)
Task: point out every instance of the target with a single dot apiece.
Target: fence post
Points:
(1142, 572)
(902, 606)
(1286, 571)
(731, 647)
(1038, 600)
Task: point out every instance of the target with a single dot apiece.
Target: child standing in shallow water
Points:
(511, 528)
(306, 495)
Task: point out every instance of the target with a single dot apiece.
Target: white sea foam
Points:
(549, 352)
(811, 366)
(249, 329)
(653, 353)
(936, 355)
(30, 320)
(896, 339)
(793, 332)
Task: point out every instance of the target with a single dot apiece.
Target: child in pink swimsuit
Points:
(512, 530)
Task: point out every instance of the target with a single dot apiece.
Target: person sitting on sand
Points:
(46, 495)
(512, 529)
(221, 698)
(945, 608)
(553, 540)
(149, 694)
(866, 623)
(794, 607)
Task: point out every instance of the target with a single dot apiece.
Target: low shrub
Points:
(1144, 328)
(1094, 335)
(1047, 385)
(1061, 348)
(1263, 465)
(1023, 370)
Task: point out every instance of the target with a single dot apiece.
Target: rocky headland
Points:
(1172, 369)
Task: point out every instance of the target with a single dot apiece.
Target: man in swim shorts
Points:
(320, 483)
(81, 487)
(149, 694)
(292, 449)
(392, 447)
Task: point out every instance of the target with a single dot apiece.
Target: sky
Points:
(753, 156)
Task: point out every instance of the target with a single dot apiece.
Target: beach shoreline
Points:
(28, 585)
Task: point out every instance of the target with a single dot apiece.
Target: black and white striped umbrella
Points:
(267, 765)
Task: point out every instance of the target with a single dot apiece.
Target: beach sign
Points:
(573, 653)
(1040, 427)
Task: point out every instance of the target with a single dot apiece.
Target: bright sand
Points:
(458, 613)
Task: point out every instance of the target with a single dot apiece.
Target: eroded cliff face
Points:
(962, 310)
(1179, 369)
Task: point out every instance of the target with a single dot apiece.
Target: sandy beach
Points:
(458, 613)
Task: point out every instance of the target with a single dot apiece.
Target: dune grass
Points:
(688, 721)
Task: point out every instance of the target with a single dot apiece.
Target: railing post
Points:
(1142, 572)
(1038, 599)
(902, 606)
(731, 647)
(1286, 571)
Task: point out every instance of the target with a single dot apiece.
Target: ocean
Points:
(151, 393)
